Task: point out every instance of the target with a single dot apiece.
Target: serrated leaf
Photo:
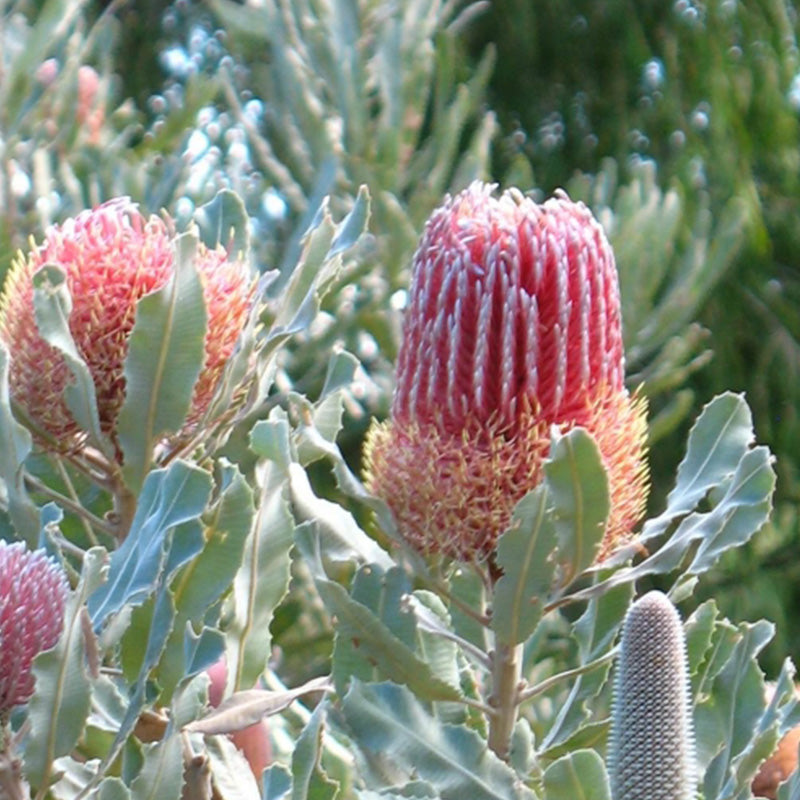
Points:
(578, 776)
(739, 492)
(207, 577)
(388, 721)
(309, 781)
(52, 305)
(113, 789)
(319, 262)
(720, 436)
(371, 644)
(232, 776)
(227, 523)
(413, 790)
(262, 580)
(246, 708)
(60, 704)
(170, 498)
(578, 488)
(300, 300)
(699, 628)
(201, 651)
(747, 502)
(734, 722)
(330, 530)
(161, 776)
(108, 704)
(594, 631)
(165, 355)
(340, 374)
(440, 651)
(223, 221)
(349, 230)
(16, 444)
(526, 554)
(276, 783)
(73, 777)
(320, 421)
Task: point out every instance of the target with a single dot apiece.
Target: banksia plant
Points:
(33, 590)
(651, 752)
(513, 327)
(111, 256)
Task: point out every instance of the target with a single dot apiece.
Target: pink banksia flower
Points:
(112, 256)
(512, 327)
(33, 589)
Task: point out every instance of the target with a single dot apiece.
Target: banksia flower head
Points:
(32, 593)
(512, 327)
(652, 740)
(112, 256)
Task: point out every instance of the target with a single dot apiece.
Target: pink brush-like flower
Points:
(512, 327)
(112, 256)
(33, 590)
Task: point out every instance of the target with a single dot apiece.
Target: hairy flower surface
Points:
(32, 593)
(512, 327)
(651, 751)
(112, 256)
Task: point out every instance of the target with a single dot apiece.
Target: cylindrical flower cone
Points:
(112, 256)
(33, 590)
(512, 327)
(651, 751)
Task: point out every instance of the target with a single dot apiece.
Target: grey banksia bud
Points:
(651, 752)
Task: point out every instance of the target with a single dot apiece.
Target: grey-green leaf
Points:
(578, 486)
(262, 580)
(391, 725)
(309, 781)
(372, 644)
(171, 497)
(165, 355)
(223, 221)
(161, 776)
(578, 776)
(526, 554)
(60, 705)
(15, 447)
(52, 305)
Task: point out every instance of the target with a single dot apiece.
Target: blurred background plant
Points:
(682, 137)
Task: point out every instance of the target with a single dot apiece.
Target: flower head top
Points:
(112, 256)
(513, 326)
(33, 590)
(512, 304)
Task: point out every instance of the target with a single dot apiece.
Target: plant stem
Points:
(506, 679)
(12, 784)
(71, 505)
(124, 509)
(531, 691)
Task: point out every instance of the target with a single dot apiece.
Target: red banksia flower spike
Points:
(33, 589)
(513, 325)
(112, 256)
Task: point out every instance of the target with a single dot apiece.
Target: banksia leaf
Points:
(513, 326)
(651, 752)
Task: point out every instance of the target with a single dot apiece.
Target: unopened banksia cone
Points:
(651, 752)
(111, 256)
(33, 589)
(513, 326)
